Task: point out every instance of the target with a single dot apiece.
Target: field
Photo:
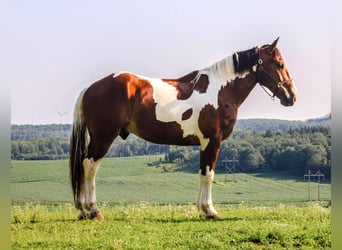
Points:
(148, 207)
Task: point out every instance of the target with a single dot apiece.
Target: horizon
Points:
(258, 118)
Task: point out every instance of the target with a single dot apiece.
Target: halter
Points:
(279, 84)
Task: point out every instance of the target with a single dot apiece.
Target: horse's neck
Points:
(242, 87)
(239, 84)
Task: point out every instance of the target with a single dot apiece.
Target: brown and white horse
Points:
(199, 108)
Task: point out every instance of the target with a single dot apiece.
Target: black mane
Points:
(245, 60)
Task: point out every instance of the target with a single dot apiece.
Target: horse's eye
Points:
(280, 65)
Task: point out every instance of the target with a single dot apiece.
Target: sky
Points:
(54, 49)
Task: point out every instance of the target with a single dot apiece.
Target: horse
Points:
(199, 108)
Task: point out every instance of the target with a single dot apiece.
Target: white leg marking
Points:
(90, 169)
(205, 203)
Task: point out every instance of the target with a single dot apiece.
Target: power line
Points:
(311, 177)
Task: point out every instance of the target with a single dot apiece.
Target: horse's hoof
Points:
(81, 216)
(99, 216)
(93, 214)
(213, 216)
(96, 214)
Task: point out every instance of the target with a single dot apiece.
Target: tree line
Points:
(29, 132)
(294, 150)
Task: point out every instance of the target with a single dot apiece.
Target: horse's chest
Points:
(228, 114)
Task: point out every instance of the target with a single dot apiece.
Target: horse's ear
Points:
(273, 45)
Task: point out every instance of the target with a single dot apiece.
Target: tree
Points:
(287, 160)
(250, 159)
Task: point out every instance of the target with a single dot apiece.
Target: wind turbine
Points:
(61, 115)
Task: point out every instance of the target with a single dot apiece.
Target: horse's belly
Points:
(162, 133)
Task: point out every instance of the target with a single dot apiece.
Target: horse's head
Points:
(273, 74)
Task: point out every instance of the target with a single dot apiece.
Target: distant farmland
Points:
(131, 180)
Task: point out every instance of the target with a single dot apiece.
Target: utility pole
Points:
(230, 166)
(311, 176)
(308, 175)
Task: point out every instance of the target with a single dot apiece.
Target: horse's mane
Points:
(237, 64)
(245, 60)
(228, 68)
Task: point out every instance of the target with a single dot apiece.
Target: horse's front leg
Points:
(90, 208)
(207, 169)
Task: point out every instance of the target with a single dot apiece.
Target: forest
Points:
(257, 145)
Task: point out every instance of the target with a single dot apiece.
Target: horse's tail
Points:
(78, 150)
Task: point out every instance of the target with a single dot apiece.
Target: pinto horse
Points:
(199, 108)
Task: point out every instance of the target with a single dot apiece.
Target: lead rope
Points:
(272, 96)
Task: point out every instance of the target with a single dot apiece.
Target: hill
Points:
(278, 125)
(28, 132)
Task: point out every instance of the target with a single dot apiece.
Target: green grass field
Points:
(131, 180)
(148, 208)
(147, 226)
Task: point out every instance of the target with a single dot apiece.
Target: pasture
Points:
(148, 226)
(149, 207)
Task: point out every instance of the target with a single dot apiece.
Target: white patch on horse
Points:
(170, 109)
(90, 169)
(224, 71)
(205, 203)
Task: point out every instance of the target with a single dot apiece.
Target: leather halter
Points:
(279, 83)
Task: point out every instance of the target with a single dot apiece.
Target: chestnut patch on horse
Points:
(208, 121)
(185, 85)
(202, 83)
(187, 114)
(137, 87)
(227, 109)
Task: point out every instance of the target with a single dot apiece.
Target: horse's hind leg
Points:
(96, 151)
(87, 203)
(90, 169)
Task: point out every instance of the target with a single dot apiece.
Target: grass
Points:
(148, 226)
(146, 207)
(131, 180)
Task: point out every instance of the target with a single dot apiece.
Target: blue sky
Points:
(54, 49)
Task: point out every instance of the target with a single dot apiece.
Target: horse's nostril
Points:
(291, 100)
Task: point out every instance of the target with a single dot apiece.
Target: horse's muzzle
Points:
(288, 101)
